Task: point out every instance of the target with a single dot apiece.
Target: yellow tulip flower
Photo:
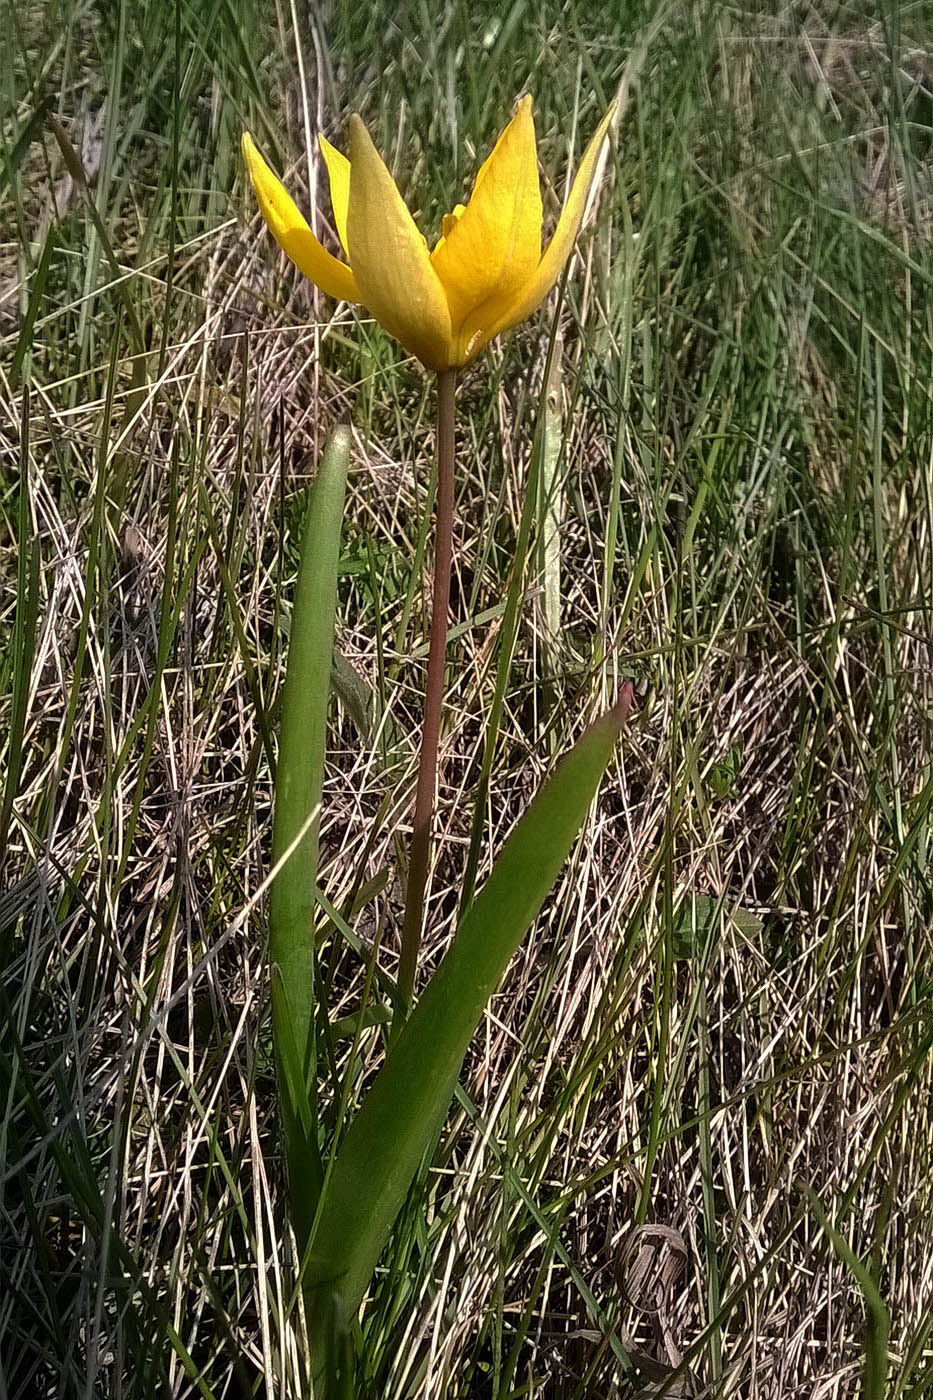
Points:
(486, 272)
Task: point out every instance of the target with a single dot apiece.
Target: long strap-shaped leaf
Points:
(299, 776)
(384, 1145)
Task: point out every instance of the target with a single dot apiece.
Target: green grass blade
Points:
(24, 634)
(386, 1141)
(25, 340)
(299, 777)
(550, 511)
(877, 1318)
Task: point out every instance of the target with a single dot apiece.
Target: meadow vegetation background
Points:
(722, 1025)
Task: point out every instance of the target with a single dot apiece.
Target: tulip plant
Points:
(485, 273)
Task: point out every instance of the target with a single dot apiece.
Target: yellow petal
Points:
(555, 256)
(292, 233)
(390, 261)
(489, 253)
(338, 172)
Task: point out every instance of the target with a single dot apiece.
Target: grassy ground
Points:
(722, 1026)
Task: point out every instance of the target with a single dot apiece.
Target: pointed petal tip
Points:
(560, 247)
(338, 174)
(492, 250)
(290, 230)
(396, 279)
(358, 137)
(248, 149)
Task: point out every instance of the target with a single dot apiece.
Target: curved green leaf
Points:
(385, 1143)
(298, 781)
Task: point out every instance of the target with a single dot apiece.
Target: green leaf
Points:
(386, 1141)
(699, 915)
(299, 778)
(723, 775)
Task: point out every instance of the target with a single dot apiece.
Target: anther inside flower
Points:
(486, 272)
